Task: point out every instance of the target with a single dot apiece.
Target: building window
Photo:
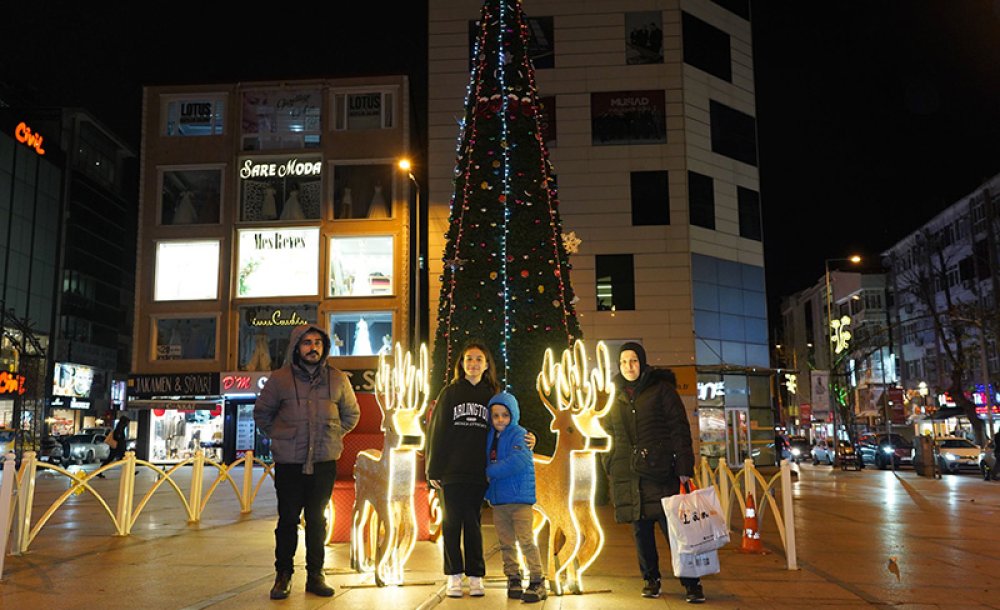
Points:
(615, 282)
(275, 262)
(281, 118)
(186, 270)
(737, 7)
(749, 203)
(190, 196)
(628, 117)
(194, 116)
(644, 38)
(701, 200)
(263, 333)
(734, 133)
(363, 110)
(650, 198)
(706, 47)
(361, 333)
(187, 338)
(541, 42)
(280, 188)
(362, 191)
(361, 266)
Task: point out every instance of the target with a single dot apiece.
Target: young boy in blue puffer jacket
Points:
(511, 472)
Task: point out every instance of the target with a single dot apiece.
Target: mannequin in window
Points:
(184, 212)
(292, 209)
(377, 209)
(362, 342)
(261, 358)
(269, 210)
(347, 204)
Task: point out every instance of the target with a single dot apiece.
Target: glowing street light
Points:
(855, 259)
(418, 263)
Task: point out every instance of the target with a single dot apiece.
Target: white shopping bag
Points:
(694, 565)
(694, 521)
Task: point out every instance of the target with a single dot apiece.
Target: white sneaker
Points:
(476, 586)
(454, 586)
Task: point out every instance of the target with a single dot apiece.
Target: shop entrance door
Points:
(737, 436)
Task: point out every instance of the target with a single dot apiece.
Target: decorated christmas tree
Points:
(506, 270)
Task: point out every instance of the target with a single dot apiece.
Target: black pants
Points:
(298, 493)
(645, 544)
(461, 508)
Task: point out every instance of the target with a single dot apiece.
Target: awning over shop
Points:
(945, 413)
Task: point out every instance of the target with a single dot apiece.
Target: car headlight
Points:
(951, 457)
(888, 450)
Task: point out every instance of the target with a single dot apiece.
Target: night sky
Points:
(873, 115)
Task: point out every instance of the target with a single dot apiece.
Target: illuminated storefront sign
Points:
(242, 382)
(70, 402)
(70, 379)
(31, 139)
(11, 383)
(277, 262)
(291, 167)
(191, 384)
(280, 318)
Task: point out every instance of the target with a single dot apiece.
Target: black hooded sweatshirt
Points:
(456, 438)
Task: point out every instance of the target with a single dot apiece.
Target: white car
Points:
(956, 453)
(90, 447)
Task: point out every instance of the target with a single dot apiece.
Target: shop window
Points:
(644, 38)
(628, 117)
(186, 270)
(280, 188)
(363, 110)
(264, 332)
(361, 266)
(650, 198)
(190, 196)
(191, 338)
(281, 118)
(274, 262)
(194, 116)
(174, 435)
(361, 333)
(362, 191)
(615, 282)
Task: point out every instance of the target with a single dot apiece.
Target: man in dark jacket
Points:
(305, 408)
(648, 414)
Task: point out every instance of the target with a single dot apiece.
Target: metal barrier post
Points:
(6, 505)
(725, 499)
(197, 478)
(126, 489)
(246, 496)
(25, 496)
(787, 515)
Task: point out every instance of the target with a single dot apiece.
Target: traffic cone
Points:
(751, 533)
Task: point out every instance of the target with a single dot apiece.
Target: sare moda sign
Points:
(291, 168)
(278, 262)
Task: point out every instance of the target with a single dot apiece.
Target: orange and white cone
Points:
(751, 532)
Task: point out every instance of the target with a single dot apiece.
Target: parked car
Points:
(823, 453)
(956, 453)
(884, 450)
(799, 448)
(53, 450)
(87, 448)
(988, 461)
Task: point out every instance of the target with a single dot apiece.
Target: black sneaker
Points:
(694, 594)
(514, 589)
(651, 587)
(535, 592)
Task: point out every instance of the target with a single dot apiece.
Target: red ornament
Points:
(525, 273)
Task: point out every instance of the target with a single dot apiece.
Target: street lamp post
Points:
(829, 343)
(418, 263)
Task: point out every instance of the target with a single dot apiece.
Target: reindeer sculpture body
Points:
(384, 525)
(566, 483)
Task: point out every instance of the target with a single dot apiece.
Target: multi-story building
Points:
(650, 123)
(946, 275)
(263, 205)
(68, 266)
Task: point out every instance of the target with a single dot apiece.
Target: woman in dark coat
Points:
(648, 413)
(120, 436)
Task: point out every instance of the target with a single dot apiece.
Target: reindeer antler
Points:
(402, 386)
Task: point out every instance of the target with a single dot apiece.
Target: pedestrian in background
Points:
(117, 441)
(510, 470)
(305, 408)
(648, 414)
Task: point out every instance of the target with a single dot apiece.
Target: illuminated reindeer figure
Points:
(384, 527)
(566, 482)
